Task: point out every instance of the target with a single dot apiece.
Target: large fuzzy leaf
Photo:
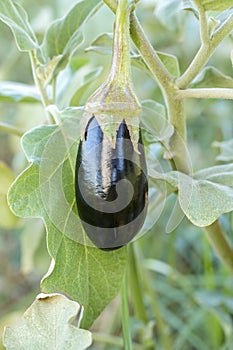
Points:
(46, 189)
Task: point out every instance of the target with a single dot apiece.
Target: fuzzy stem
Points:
(120, 68)
(159, 71)
(205, 93)
(218, 241)
(205, 52)
(203, 23)
(44, 97)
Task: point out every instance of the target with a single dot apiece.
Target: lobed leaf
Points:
(48, 324)
(46, 189)
(12, 14)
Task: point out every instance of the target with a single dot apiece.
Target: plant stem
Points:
(10, 129)
(203, 22)
(178, 143)
(218, 241)
(162, 330)
(120, 68)
(205, 93)
(135, 286)
(38, 82)
(125, 316)
(204, 53)
(149, 55)
(44, 97)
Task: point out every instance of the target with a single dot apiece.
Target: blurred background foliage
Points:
(192, 291)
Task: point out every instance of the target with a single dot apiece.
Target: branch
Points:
(218, 93)
(203, 23)
(218, 241)
(205, 52)
(149, 55)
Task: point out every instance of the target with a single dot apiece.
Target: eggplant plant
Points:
(110, 140)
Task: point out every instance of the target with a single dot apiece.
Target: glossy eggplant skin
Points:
(111, 187)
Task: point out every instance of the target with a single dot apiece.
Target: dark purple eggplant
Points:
(111, 186)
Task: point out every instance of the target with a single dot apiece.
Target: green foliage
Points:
(103, 45)
(179, 290)
(211, 76)
(81, 271)
(16, 18)
(226, 153)
(64, 35)
(206, 195)
(16, 92)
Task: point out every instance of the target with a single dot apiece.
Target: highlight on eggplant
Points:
(111, 186)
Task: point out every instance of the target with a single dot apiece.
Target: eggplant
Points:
(111, 186)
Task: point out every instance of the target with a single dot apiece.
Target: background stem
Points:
(136, 286)
(10, 129)
(125, 316)
(216, 237)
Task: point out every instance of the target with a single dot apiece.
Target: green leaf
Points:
(103, 45)
(64, 35)
(153, 120)
(18, 92)
(83, 85)
(206, 195)
(204, 198)
(226, 150)
(73, 85)
(214, 5)
(169, 13)
(12, 14)
(87, 274)
(170, 62)
(212, 77)
(48, 324)
(7, 219)
(46, 189)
